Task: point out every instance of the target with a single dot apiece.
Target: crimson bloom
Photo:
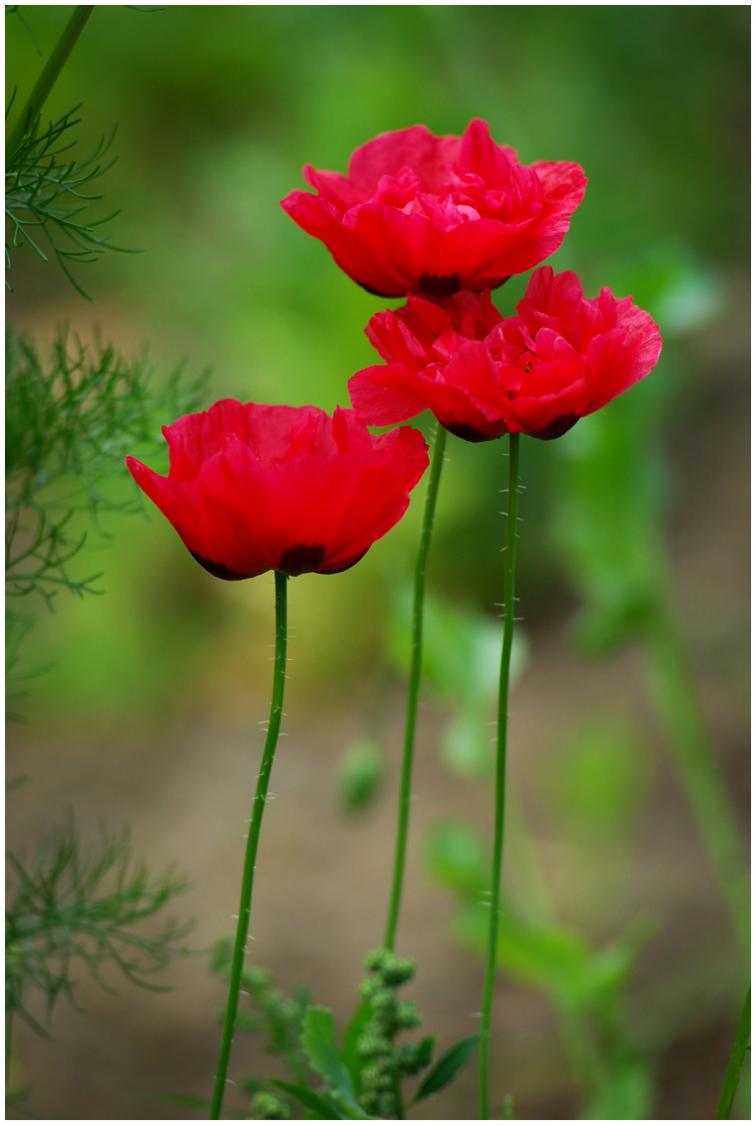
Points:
(563, 356)
(420, 213)
(254, 488)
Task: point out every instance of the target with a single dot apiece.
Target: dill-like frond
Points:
(49, 202)
(71, 908)
(71, 416)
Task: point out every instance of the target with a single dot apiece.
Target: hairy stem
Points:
(740, 1049)
(416, 661)
(29, 115)
(250, 858)
(675, 698)
(501, 772)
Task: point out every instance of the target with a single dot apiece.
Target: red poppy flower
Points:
(563, 356)
(419, 213)
(254, 488)
(422, 334)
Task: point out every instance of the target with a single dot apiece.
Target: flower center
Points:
(301, 559)
(436, 286)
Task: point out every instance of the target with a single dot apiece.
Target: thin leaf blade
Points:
(447, 1067)
(320, 1104)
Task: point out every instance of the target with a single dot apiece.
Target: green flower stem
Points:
(402, 827)
(675, 698)
(250, 858)
(740, 1049)
(501, 772)
(29, 115)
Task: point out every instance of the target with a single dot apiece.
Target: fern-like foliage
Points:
(49, 203)
(72, 412)
(71, 416)
(71, 908)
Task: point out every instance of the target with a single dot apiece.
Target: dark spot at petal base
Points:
(468, 433)
(218, 570)
(342, 566)
(301, 559)
(558, 427)
(434, 286)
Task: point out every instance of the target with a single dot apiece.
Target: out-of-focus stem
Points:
(250, 858)
(416, 662)
(740, 1049)
(27, 119)
(675, 698)
(501, 769)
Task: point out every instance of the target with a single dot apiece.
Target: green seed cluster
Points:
(267, 1010)
(269, 1107)
(385, 1063)
(278, 1015)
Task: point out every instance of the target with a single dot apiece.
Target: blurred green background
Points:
(622, 972)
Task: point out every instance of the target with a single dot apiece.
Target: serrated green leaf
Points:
(447, 1067)
(319, 1044)
(321, 1104)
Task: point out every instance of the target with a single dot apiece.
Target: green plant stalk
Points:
(501, 772)
(675, 699)
(250, 858)
(29, 115)
(416, 663)
(740, 1049)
